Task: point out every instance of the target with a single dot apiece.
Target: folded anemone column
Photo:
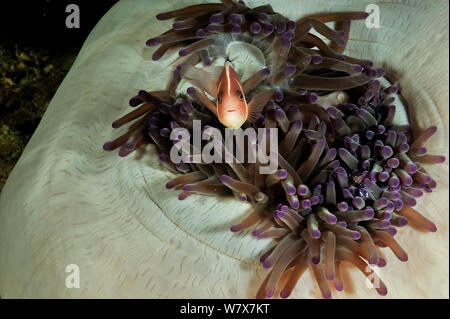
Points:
(361, 187)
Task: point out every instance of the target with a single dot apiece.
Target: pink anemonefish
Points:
(224, 84)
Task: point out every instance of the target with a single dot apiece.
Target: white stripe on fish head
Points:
(227, 74)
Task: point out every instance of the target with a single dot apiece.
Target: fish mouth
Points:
(232, 117)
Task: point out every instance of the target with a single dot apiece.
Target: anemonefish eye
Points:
(219, 99)
(241, 97)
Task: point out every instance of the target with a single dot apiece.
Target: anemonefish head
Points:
(231, 104)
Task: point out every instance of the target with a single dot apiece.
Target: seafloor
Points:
(29, 77)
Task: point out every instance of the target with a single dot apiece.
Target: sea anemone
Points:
(349, 170)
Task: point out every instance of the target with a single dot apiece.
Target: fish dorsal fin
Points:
(215, 71)
(204, 80)
(257, 104)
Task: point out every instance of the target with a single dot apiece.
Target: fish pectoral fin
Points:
(209, 104)
(257, 104)
(202, 79)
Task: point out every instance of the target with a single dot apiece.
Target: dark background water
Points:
(41, 23)
(36, 51)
